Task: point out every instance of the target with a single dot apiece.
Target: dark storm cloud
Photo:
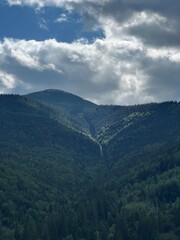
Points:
(121, 9)
(165, 33)
(154, 34)
(163, 81)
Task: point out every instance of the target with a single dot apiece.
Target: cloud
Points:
(43, 24)
(62, 18)
(106, 71)
(137, 61)
(7, 81)
(155, 22)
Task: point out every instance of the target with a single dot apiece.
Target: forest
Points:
(74, 170)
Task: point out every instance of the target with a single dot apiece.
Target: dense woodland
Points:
(73, 170)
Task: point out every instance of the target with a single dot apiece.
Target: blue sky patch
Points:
(28, 23)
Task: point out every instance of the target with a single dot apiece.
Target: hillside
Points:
(73, 170)
(39, 158)
(59, 98)
(69, 107)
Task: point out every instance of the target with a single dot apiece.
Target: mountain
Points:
(62, 99)
(40, 157)
(69, 107)
(71, 169)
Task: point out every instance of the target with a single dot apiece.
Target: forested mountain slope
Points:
(70, 169)
(69, 107)
(41, 161)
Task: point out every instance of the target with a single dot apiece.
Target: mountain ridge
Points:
(94, 172)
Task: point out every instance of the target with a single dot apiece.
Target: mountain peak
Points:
(62, 99)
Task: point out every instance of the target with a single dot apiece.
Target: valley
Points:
(74, 170)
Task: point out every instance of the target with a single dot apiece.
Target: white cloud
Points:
(155, 22)
(62, 18)
(106, 71)
(7, 81)
(69, 4)
(43, 24)
(137, 61)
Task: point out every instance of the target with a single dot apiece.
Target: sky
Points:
(121, 52)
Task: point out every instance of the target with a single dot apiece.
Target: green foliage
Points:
(119, 183)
